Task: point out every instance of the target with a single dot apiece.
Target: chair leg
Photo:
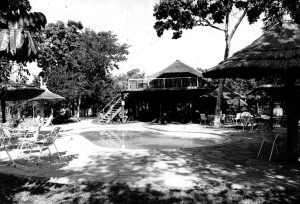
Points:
(41, 150)
(10, 158)
(262, 143)
(57, 150)
(49, 151)
(271, 151)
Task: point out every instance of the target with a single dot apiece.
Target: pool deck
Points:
(233, 163)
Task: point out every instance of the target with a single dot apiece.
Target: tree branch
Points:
(209, 24)
(239, 20)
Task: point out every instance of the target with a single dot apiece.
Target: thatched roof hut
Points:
(276, 52)
(177, 69)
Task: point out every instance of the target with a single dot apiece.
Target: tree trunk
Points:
(78, 107)
(3, 110)
(292, 120)
(218, 110)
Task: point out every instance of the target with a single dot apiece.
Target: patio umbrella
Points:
(48, 96)
(12, 91)
(276, 53)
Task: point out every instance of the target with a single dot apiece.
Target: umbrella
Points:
(19, 92)
(275, 53)
(12, 91)
(48, 96)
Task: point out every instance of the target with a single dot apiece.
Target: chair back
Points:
(53, 135)
(238, 116)
(34, 133)
(48, 121)
(203, 116)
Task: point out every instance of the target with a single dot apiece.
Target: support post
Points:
(292, 119)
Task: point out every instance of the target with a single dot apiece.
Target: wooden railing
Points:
(165, 83)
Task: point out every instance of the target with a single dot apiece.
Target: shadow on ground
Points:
(227, 173)
(35, 190)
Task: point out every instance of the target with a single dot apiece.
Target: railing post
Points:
(164, 83)
(197, 81)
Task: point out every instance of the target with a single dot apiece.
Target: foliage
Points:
(178, 15)
(77, 63)
(121, 80)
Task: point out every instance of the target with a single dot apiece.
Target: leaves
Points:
(77, 62)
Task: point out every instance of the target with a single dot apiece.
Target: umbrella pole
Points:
(3, 110)
(292, 120)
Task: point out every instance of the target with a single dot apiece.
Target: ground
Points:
(87, 173)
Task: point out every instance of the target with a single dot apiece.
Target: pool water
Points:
(124, 139)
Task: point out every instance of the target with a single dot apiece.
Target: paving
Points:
(234, 163)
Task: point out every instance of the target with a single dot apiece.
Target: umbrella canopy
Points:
(227, 93)
(19, 92)
(49, 96)
(276, 52)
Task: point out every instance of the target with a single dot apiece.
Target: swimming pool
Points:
(131, 139)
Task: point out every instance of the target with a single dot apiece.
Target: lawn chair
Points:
(46, 141)
(48, 121)
(237, 118)
(9, 139)
(29, 139)
(268, 137)
(203, 118)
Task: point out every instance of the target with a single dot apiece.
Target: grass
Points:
(35, 190)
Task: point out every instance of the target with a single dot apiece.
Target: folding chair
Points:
(268, 137)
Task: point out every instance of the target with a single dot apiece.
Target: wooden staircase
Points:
(112, 109)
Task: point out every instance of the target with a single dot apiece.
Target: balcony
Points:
(167, 83)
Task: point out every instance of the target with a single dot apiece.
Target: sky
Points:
(132, 21)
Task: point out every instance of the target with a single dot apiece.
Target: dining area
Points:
(28, 140)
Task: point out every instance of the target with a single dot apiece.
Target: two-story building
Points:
(171, 95)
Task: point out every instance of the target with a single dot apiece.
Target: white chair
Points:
(48, 121)
(268, 137)
(237, 118)
(9, 139)
(46, 140)
(203, 118)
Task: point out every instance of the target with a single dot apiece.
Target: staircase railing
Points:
(108, 106)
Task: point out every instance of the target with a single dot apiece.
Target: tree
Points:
(16, 29)
(179, 15)
(121, 81)
(186, 14)
(77, 62)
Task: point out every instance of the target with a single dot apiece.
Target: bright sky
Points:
(132, 21)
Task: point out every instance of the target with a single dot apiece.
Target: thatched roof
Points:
(12, 91)
(175, 69)
(48, 95)
(276, 52)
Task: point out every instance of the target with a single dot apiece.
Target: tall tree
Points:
(179, 15)
(77, 62)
